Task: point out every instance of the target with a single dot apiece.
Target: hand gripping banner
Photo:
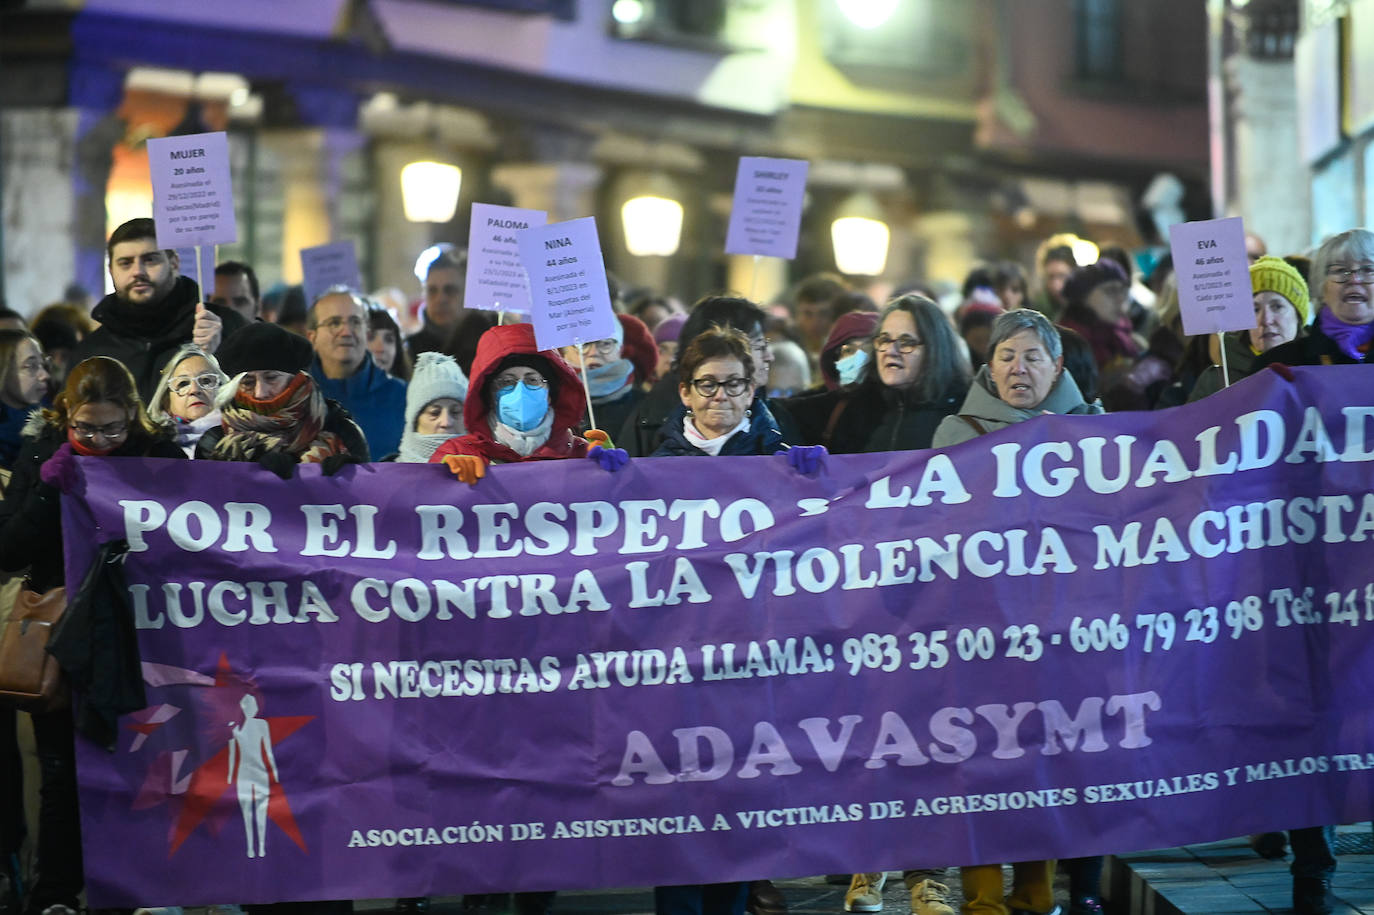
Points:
(1073, 636)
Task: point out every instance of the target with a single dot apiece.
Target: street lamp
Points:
(653, 217)
(429, 191)
(860, 236)
(868, 14)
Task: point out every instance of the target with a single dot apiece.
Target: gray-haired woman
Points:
(1024, 378)
(185, 395)
(1342, 283)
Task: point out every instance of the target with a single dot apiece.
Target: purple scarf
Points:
(1353, 339)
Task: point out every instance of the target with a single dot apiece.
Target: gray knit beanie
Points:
(435, 375)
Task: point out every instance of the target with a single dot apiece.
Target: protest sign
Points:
(766, 215)
(1213, 275)
(571, 301)
(193, 197)
(202, 271)
(496, 280)
(1072, 635)
(334, 264)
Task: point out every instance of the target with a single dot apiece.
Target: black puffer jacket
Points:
(144, 338)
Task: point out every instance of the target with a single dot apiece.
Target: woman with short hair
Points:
(185, 396)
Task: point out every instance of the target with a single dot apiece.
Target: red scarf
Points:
(83, 449)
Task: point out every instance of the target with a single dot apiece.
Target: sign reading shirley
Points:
(334, 264)
(1214, 293)
(384, 683)
(496, 280)
(193, 197)
(766, 216)
(570, 298)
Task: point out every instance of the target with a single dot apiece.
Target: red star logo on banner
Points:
(210, 780)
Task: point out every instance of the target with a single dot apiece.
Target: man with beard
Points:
(153, 310)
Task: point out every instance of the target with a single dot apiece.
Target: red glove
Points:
(468, 468)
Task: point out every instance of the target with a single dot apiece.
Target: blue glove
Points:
(609, 459)
(59, 471)
(807, 458)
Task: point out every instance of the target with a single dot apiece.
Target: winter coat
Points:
(1114, 348)
(984, 407)
(1314, 349)
(640, 433)
(761, 436)
(31, 514)
(375, 400)
(145, 337)
(1240, 363)
(869, 416)
(568, 402)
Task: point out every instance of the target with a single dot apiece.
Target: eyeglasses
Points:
(905, 343)
(181, 384)
(336, 323)
(601, 347)
(707, 387)
(1340, 273)
(509, 380)
(108, 431)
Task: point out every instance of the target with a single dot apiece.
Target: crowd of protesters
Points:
(158, 370)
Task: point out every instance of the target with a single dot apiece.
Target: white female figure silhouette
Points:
(251, 748)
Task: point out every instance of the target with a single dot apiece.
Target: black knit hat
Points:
(529, 361)
(263, 347)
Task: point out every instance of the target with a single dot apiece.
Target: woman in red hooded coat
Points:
(523, 405)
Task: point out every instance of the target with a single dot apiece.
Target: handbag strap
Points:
(975, 424)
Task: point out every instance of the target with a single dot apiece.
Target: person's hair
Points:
(9, 346)
(1352, 244)
(944, 365)
(448, 260)
(723, 311)
(133, 230)
(292, 308)
(1056, 248)
(1079, 361)
(311, 322)
(8, 313)
(157, 406)
(239, 268)
(54, 334)
(852, 301)
(1121, 257)
(979, 277)
(462, 341)
(820, 287)
(1010, 273)
(381, 319)
(1011, 323)
(73, 316)
(716, 342)
(101, 379)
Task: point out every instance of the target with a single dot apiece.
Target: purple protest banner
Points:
(1072, 636)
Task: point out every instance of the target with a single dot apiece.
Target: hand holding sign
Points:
(207, 329)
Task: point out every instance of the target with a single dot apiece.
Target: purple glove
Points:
(59, 471)
(609, 459)
(807, 458)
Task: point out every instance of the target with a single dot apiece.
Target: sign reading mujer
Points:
(1076, 635)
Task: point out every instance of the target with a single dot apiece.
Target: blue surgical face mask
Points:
(851, 367)
(522, 406)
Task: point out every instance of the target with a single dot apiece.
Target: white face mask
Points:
(851, 367)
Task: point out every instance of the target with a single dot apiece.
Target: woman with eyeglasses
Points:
(24, 378)
(98, 413)
(523, 405)
(719, 415)
(914, 374)
(1342, 283)
(185, 396)
(617, 369)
